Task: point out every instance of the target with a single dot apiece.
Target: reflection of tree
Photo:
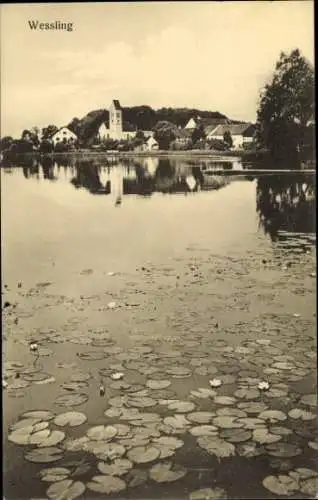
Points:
(286, 203)
(30, 167)
(48, 168)
(87, 176)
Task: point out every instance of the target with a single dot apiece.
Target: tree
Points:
(6, 142)
(165, 132)
(198, 134)
(286, 109)
(48, 131)
(227, 138)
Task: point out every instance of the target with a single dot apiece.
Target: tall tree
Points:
(165, 132)
(286, 108)
(227, 138)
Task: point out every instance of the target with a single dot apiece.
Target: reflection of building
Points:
(64, 135)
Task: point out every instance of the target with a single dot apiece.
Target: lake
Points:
(151, 269)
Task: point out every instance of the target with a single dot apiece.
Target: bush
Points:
(217, 145)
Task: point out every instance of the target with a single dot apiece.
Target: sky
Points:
(209, 55)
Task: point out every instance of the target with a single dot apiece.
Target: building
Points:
(242, 133)
(152, 144)
(64, 135)
(183, 136)
(193, 123)
(116, 128)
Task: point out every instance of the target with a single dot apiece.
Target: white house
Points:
(192, 124)
(64, 135)
(242, 133)
(152, 144)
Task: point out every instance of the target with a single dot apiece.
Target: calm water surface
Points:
(195, 258)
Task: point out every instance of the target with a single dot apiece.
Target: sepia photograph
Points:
(158, 250)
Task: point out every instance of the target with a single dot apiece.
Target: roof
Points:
(183, 133)
(234, 129)
(214, 121)
(116, 104)
(63, 128)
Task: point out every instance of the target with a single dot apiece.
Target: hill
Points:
(140, 117)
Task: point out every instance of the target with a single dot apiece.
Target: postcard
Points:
(158, 200)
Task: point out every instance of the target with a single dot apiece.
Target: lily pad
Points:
(309, 399)
(204, 430)
(253, 407)
(224, 400)
(201, 417)
(264, 436)
(54, 474)
(236, 435)
(106, 484)
(227, 422)
(102, 432)
(249, 449)
(26, 422)
(203, 393)
(71, 399)
(143, 454)
(208, 494)
(273, 416)
(136, 477)
(54, 438)
(104, 450)
(309, 486)
(166, 472)
(177, 422)
(167, 445)
(216, 446)
(230, 412)
(91, 355)
(281, 485)
(75, 444)
(74, 386)
(179, 372)
(71, 418)
(181, 406)
(44, 455)
(80, 376)
(119, 467)
(141, 402)
(247, 393)
(158, 384)
(285, 450)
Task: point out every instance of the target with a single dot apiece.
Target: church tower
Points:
(115, 120)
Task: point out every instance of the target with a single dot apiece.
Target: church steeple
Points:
(115, 120)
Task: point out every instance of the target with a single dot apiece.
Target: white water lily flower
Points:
(117, 375)
(111, 305)
(263, 386)
(110, 273)
(34, 346)
(101, 389)
(215, 382)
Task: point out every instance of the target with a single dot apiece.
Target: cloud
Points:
(216, 57)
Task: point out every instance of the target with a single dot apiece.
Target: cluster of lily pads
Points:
(146, 423)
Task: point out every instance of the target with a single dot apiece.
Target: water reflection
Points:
(285, 205)
(140, 177)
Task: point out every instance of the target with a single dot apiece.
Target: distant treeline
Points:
(138, 117)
